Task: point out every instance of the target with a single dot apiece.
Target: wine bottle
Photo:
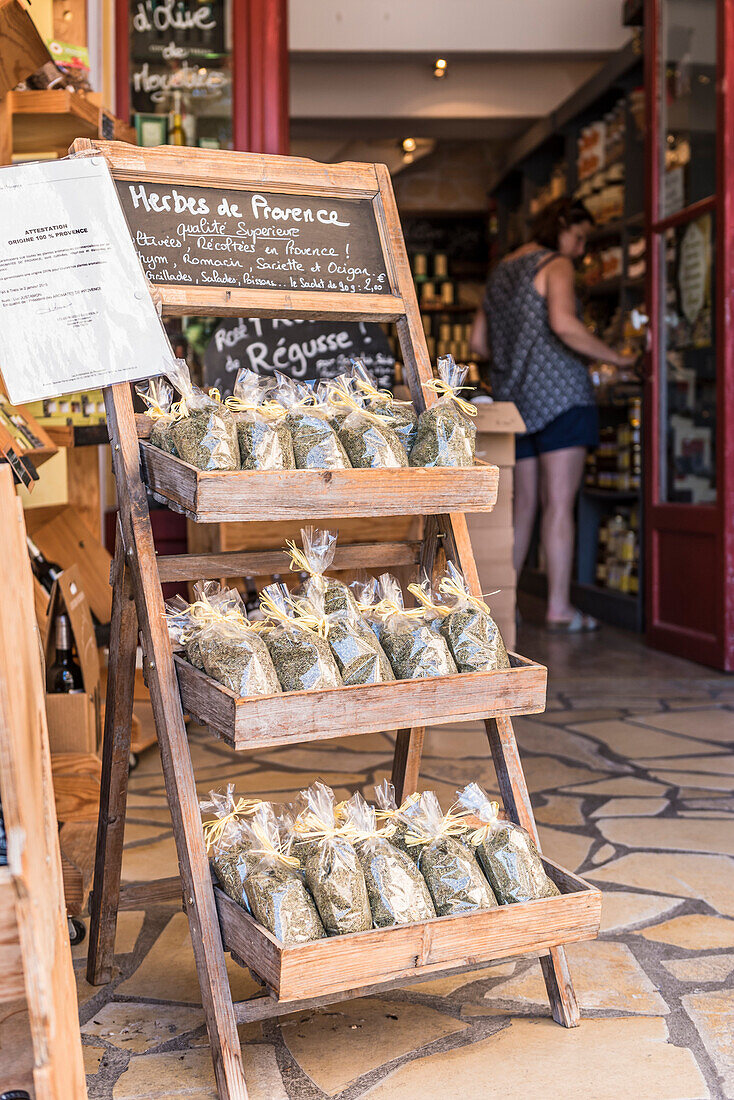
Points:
(46, 571)
(64, 676)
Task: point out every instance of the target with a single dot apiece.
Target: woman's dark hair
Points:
(554, 218)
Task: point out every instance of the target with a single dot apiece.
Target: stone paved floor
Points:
(631, 771)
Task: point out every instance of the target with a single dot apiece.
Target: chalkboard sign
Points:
(299, 349)
(254, 240)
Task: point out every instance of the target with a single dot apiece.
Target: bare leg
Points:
(560, 478)
(526, 505)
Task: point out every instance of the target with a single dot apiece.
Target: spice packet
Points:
(317, 555)
(332, 870)
(298, 643)
(157, 394)
(204, 430)
(448, 865)
(446, 436)
(264, 439)
(368, 440)
(413, 649)
(234, 653)
(506, 852)
(358, 653)
(397, 891)
(398, 415)
(396, 817)
(316, 446)
(228, 844)
(465, 621)
(276, 893)
(186, 620)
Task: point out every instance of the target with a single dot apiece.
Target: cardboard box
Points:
(74, 720)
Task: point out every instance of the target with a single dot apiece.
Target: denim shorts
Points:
(577, 427)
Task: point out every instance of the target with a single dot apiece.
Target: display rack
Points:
(342, 966)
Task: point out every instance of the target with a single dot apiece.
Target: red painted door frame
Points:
(711, 641)
(259, 73)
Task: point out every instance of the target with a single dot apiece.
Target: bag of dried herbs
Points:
(465, 621)
(397, 891)
(398, 415)
(395, 817)
(228, 844)
(369, 441)
(235, 654)
(264, 439)
(187, 620)
(297, 642)
(413, 649)
(446, 435)
(506, 852)
(316, 446)
(317, 555)
(359, 655)
(276, 893)
(446, 862)
(157, 394)
(204, 430)
(331, 868)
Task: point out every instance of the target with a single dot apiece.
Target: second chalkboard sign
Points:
(254, 240)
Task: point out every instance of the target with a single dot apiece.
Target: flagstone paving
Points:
(631, 772)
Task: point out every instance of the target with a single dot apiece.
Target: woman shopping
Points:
(537, 345)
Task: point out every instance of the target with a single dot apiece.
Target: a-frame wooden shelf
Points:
(342, 966)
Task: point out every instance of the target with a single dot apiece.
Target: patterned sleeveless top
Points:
(529, 364)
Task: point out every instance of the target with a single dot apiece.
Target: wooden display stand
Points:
(343, 966)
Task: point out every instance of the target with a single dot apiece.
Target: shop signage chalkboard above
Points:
(245, 239)
(299, 349)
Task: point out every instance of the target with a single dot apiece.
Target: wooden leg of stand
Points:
(514, 791)
(105, 897)
(406, 763)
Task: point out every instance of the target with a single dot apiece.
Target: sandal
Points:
(579, 623)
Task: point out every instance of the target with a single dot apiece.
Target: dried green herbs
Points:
(448, 865)
(317, 555)
(332, 870)
(204, 430)
(359, 655)
(506, 852)
(235, 655)
(187, 620)
(316, 445)
(465, 621)
(413, 649)
(396, 889)
(400, 416)
(396, 817)
(157, 394)
(301, 654)
(264, 439)
(228, 844)
(446, 435)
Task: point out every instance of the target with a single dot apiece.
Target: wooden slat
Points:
(76, 780)
(242, 495)
(322, 967)
(182, 567)
(180, 301)
(12, 984)
(139, 895)
(344, 711)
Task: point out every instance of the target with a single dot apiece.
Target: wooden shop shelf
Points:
(220, 496)
(410, 951)
(53, 119)
(298, 716)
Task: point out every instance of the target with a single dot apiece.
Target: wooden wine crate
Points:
(367, 708)
(410, 951)
(218, 496)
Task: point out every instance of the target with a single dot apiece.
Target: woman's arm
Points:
(564, 322)
(478, 341)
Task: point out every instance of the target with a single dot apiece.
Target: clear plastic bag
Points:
(276, 893)
(187, 620)
(446, 435)
(204, 430)
(297, 642)
(465, 621)
(395, 817)
(264, 439)
(397, 891)
(157, 394)
(316, 446)
(413, 649)
(331, 868)
(398, 415)
(228, 844)
(317, 555)
(447, 863)
(368, 440)
(359, 655)
(235, 654)
(506, 852)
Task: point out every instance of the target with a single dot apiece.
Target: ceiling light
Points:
(439, 67)
(409, 145)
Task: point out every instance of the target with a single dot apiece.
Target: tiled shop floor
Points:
(632, 778)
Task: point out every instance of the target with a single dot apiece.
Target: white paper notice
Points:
(75, 309)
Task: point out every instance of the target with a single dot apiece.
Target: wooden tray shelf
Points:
(242, 495)
(411, 950)
(297, 716)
